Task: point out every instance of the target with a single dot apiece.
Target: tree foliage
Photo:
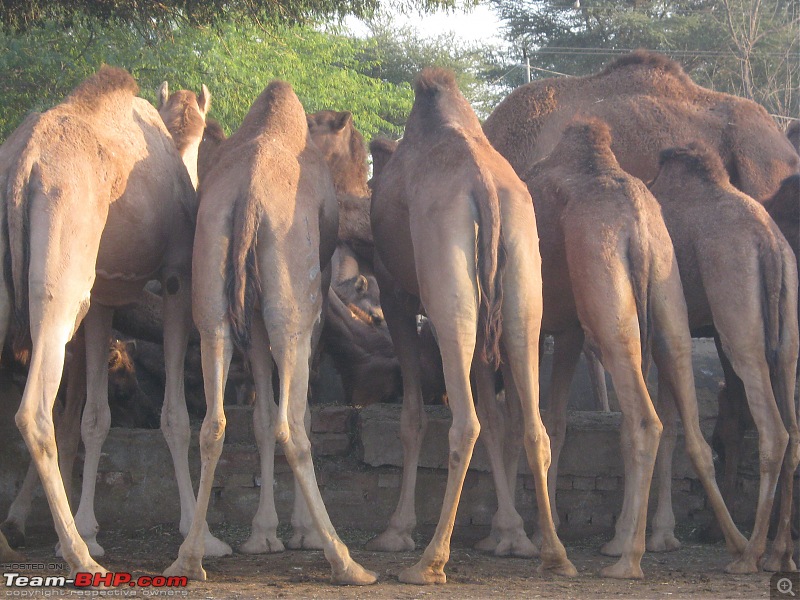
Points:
(236, 59)
(745, 47)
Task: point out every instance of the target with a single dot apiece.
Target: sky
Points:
(480, 24)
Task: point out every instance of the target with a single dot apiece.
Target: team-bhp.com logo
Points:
(94, 580)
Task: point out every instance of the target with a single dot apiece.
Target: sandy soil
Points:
(696, 570)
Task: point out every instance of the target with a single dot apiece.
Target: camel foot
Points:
(88, 566)
(612, 548)
(560, 566)
(421, 574)
(778, 560)
(305, 539)
(509, 543)
(662, 541)
(193, 569)
(215, 546)
(742, 565)
(353, 574)
(267, 543)
(391, 541)
(622, 570)
(14, 535)
(95, 549)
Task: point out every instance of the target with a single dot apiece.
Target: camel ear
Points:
(342, 119)
(163, 95)
(130, 347)
(204, 100)
(361, 284)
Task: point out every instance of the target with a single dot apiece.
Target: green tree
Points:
(744, 47)
(236, 59)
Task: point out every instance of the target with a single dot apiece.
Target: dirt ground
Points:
(696, 571)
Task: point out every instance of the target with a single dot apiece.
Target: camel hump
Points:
(433, 80)
(279, 111)
(108, 81)
(649, 60)
(590, 131)
(696, 158)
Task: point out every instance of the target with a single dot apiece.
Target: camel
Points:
(579, 186)
(650, 104)
(121, 173)
(183, 114)
(455, 232)
(269, 182)
(725, 240)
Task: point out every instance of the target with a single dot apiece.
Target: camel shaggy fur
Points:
(120, 175)
(265, 230)
(455, 233)
(649, 103)
(740, 276)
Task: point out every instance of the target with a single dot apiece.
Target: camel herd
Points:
(622, 212)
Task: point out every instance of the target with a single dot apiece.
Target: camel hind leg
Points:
(60, 277)
(401, 321)
(672, 354)
(291, 304)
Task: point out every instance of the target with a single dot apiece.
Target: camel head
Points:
(382, 150)
(438, 102)
(184, 114)
(343, 148)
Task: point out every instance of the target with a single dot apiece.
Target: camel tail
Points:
(17, 202)
(773, 297)
(242, 276)
(639, 274)
(491, 260)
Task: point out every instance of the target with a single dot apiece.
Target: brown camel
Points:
(184, 117)
(740, 276)
(269, 182)
(454, 231)
(649, 104)
(84, 183)
(623, 293)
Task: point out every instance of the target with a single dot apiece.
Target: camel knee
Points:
(175, 425)
(212, 434)
(772, 449)
(537, 442)
(96, 423)
(297, 446)
(37, 431)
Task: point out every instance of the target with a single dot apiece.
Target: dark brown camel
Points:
(740, 276)
(793, 134)
(649, 104)
(454, 231)
(268, 182)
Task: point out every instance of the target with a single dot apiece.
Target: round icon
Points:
(784, 586)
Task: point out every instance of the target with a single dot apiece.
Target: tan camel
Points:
(120, 176)
(650, 104)
(342, 147)
(184, 116)
(268, 182)
(455, 231)
(740, 275)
